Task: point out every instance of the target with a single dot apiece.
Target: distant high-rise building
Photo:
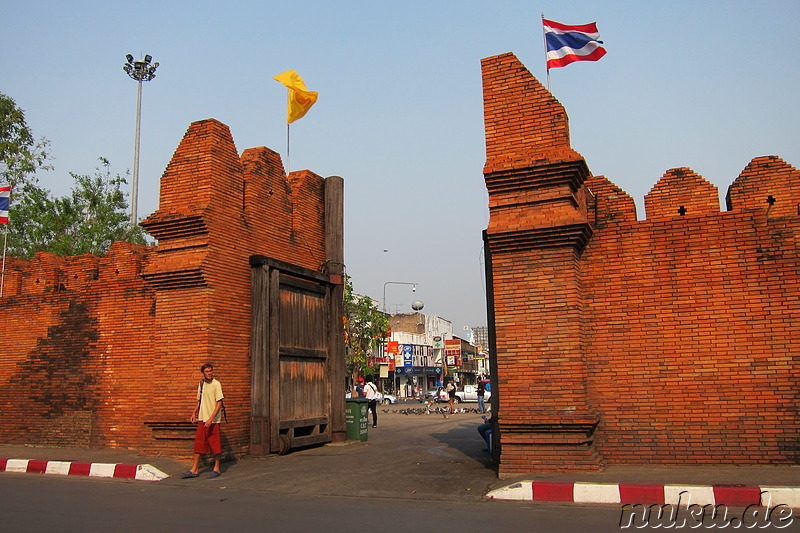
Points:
(480, 336)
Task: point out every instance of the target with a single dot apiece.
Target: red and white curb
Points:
(69, 468)
(578, 492)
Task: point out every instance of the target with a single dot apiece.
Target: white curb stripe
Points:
(522, 490)
(149, 473)
(596, 493)
(60, 468)
(17, 465)
(688, 495)
(789, 496)
(102, 470)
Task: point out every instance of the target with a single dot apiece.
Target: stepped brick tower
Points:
(659, 341)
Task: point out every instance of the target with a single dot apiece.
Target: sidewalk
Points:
(419, 457)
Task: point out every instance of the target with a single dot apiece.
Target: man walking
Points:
(371, 394)
(451, 397)
(207, 415)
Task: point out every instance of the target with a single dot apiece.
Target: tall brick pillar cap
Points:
(198, 178)
(525, 125)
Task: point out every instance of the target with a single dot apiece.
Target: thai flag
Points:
(566, 44)
(5, 195)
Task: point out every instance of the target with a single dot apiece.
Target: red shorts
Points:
(207, 440)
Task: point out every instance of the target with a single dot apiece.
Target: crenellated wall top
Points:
(527, 137)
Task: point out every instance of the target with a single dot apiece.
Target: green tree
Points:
(20, 154)
(86, 222)
(365, 329)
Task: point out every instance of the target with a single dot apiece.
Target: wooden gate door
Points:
(293, 346)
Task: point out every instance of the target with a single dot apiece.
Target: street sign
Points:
(408, 355)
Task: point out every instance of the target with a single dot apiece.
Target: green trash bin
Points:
(356, 418)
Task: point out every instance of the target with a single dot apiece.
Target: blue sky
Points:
(703, 84)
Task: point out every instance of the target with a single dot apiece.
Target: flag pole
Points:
(288, 157)
(544, 38)
(3, 272)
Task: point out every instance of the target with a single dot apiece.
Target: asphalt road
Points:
(415, 473)
(35, 504)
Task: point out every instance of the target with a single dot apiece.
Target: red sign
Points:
(393, 347)
(452, 352)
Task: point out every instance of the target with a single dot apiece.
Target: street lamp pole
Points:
(139, 70)
(413, 289)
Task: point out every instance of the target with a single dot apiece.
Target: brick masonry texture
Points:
(105, 351)
(667, 340)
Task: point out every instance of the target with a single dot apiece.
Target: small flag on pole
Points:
(5, 195)
(300, 99)
(566, 44)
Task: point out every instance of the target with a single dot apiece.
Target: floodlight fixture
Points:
(139, 70)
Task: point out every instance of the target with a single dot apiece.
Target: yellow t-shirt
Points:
(212, 393)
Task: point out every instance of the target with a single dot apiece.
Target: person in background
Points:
(441, 395)
(483, 429)
(451, 397)
(481, 392)
(371, 394)
(360, 388)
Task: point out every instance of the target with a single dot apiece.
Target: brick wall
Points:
(408, 322)
(666, 340)
(105, 351)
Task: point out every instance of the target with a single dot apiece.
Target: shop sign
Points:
(408, 355)
(419, 370)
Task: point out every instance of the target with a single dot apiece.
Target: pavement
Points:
(422, 456)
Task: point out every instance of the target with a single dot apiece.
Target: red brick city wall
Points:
(666, 340)
(68, 324)
(696, 315)
(106, 351)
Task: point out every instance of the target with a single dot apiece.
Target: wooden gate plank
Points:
(273, 380)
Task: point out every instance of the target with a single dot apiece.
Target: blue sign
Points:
(418, 370)
(408, 355)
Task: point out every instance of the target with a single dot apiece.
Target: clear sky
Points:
(706, 84)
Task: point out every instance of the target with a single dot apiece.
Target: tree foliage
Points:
(87, 221)
(365, 329)
(21, 155)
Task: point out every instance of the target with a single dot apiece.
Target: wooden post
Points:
(259, 443)
(334, 258)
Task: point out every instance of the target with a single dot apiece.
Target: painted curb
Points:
(626, 493)
(144, 472)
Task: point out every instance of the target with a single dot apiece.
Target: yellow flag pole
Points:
(299, 102)
(288, 157)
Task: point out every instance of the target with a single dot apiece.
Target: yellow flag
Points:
(300, 99)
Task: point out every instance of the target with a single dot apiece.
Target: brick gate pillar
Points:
(537, 231)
